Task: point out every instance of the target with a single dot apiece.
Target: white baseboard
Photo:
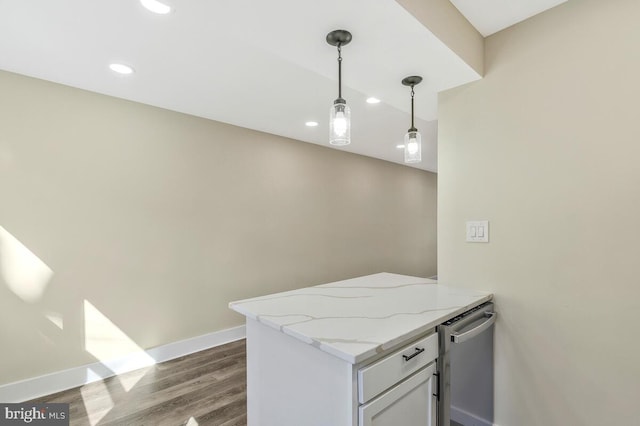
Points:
(36, 387)
(468, 419)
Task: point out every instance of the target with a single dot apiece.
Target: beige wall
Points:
(159, 219)
(447, 23)
(547, 147)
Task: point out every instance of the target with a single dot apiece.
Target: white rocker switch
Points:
(478, 231)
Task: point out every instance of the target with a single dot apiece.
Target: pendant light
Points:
(340, 113)
(412, 140)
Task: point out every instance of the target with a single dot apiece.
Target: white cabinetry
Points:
(291, 383)
(411, 402)
(399, 388)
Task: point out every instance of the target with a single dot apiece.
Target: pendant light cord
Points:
(412, 93)
(339, 71)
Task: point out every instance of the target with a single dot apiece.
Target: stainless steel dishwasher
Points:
(465, 368)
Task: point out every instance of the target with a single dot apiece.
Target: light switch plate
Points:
(478, 231)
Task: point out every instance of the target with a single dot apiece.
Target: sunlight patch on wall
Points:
(55, 318)
(25, 274)
(46, 339)
(113, 348)
(96, 408)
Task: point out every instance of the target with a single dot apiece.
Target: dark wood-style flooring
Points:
(204, 388)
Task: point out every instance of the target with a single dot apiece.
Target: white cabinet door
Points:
(408, 403)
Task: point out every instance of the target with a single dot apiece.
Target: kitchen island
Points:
(343, 353)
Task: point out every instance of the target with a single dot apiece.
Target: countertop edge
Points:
(364, 356)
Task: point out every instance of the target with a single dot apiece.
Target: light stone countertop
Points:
(355, 319)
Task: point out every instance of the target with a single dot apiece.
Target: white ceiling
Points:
(491, 16)
(263, 65)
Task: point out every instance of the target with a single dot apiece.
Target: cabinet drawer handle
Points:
(416, 353)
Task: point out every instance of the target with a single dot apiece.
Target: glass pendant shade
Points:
(339, 123)
(412, 147)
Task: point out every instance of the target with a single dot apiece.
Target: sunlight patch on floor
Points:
(113, 348)
(191, 422)
(25, 274)
(129, 380)
(96, 408)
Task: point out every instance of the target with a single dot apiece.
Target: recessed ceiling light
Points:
(400, 146)
(156, 7)
(373, 100)
(121, 68)
(311, 123)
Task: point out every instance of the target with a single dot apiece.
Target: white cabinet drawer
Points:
(411, 403)
(381, 375)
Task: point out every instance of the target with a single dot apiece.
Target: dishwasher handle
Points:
(463, 337)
